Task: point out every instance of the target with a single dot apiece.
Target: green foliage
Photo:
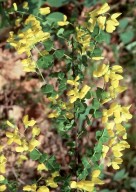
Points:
(53, 18)
(54, 3)
(70, 51)
(45, 62)
(35, 154)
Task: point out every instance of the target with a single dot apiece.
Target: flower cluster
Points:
(113, 119)
(35, 188)
(20, 139)
(84, 38)
(25, 41)
(49, 183)
(75, 93)
(97, 17)
(88, 185)
(111, 76)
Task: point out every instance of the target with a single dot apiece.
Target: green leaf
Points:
(35, 154)
(106, 37)
(57, 3)
(97, 52)
(98, 147)
(47, 89)
(59, 54)
(83, 174)
(98, 134)
(85, 162)
(131, 46)
(45, 61)
(97, 114)
(133, 183)
(54, 17)
(48, 44)
(120, 175)
(95, 104)
(123, 23)
(60, 31)
(62, 85)
(52, 164)
(43, 158)
(89, 3)
(127, 36)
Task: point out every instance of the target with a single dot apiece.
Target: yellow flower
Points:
(101, 22)
(18, 21)
(30, 188)
(97, 58)
(112, 22)
(32, 144)
(84, 39)
(45, 11)
(10, 124)
(64, 22)
(88, 185)
(54, 114)
(3, 161)
(21, 159)
(120, 130)
(55, 174)
(15, 6)
(29, 65)
(43, 189)
(25, 5)
(2, 178)
(103, 9)
(13, 137)
(82, 185)
(36, 131)
(41, 167)
(116, 162)
(2, 187)
(105, 150)
(53, 99)
(69, 115)
(23, 147)
(74, 82)
(84, 91)
(73, 95)
(117, 69)
(51, 183)
(28, 123)
(102, 70)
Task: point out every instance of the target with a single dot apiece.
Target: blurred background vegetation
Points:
(19, 95)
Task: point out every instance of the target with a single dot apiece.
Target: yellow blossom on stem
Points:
(102, 70)
(112, 22)
(74, 82)
(45, 10)
(28, 123)
(54, 114)
(30, 188)
(43, 189)
(101, 22)
(15, 6)
(41, 167)
(2, 187)
(88, 185)
(3, 161)
(25, 5)
(64, 22)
